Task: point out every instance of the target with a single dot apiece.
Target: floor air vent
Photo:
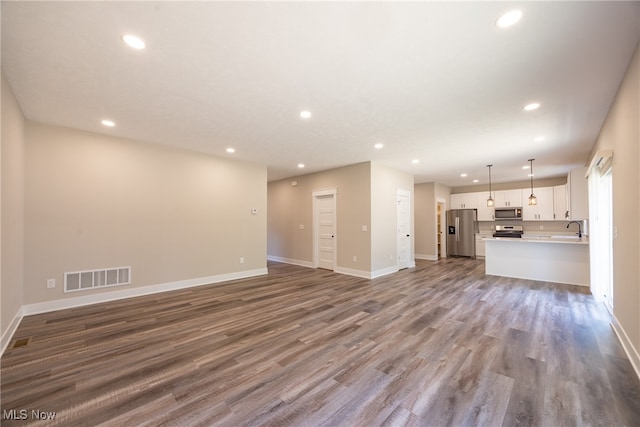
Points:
(21, 342)
(91, 279)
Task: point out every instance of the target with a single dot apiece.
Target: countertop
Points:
(539, 238)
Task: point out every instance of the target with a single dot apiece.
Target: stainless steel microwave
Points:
(508, 214)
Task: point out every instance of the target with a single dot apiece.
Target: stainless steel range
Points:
(508, 231)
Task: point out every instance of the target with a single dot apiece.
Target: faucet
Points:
(579, 228)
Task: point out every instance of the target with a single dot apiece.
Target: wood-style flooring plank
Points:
(441, 344)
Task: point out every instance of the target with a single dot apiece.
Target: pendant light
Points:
(533, 200)
(490, 199)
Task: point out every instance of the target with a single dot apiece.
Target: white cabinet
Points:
(578, 194)
(560, 210)
(476, 201)
(464, 201)
(480, 246)
(508, 198)
(484, 213)
(543, 211)
(553, 203)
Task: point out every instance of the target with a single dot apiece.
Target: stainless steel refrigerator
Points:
(461, 232)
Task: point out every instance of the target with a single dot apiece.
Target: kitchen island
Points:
(559, 259)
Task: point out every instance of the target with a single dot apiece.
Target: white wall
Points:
(12, 167)
(95, 201)
(367, 195)
(290, 207)
(427, 196)
(385, 183)
(621, 133)
(425, 221)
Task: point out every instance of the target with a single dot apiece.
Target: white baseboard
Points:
(353, 272)
(366, 274)
(628, 347)
(8, 334)
(427, 257)
(290, 261)
(386, 271)
(61, 304)
(341, 270)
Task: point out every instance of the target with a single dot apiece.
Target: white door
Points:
(404, 229)
(324, 215)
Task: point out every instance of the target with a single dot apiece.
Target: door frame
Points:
(315, 194)
(443, 222)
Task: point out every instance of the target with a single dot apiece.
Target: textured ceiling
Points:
(438, 82)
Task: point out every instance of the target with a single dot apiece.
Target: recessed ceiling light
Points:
(530, 175)
(231, 150)
(464, 175)
(378, 146)
(305, 114)
(475, 181)
(539, 138)
(134, 41)
(415, 161)
(108, 123)
(532, 106)
(525, 167)
(508, 19)
(300, 165)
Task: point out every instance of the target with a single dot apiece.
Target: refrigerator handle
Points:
(457, 229)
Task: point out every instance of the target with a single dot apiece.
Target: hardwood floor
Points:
(441, 344)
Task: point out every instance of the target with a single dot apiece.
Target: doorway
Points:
(440, 230)
(324, 229)
(607, 227)
(601, 228)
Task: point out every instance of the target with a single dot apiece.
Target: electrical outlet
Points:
(51, 283)
(355, 259)
(241, 260)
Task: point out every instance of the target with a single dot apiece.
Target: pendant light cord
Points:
(532, 198)
(490, 202)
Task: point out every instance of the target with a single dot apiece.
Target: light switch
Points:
(364, 228)
(301, 226)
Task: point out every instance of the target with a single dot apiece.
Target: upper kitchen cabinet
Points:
(553, 203)
(578, 194)
(560, 204)
(464, 201)
(543, 211)
(484, 213)
(508, 198)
